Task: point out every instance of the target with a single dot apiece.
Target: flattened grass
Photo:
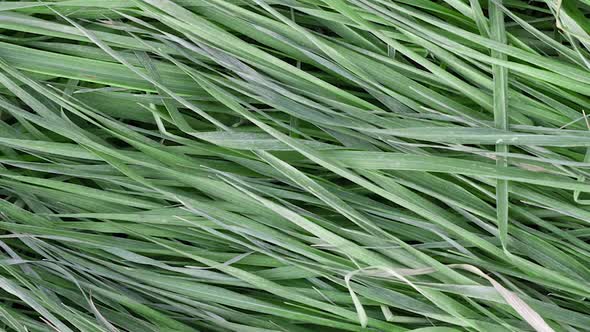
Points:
(336, 165)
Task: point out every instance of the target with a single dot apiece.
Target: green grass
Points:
(294, 165)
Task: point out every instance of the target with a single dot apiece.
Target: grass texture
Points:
(294, 165)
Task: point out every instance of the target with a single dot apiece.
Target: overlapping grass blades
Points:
(294, 165)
